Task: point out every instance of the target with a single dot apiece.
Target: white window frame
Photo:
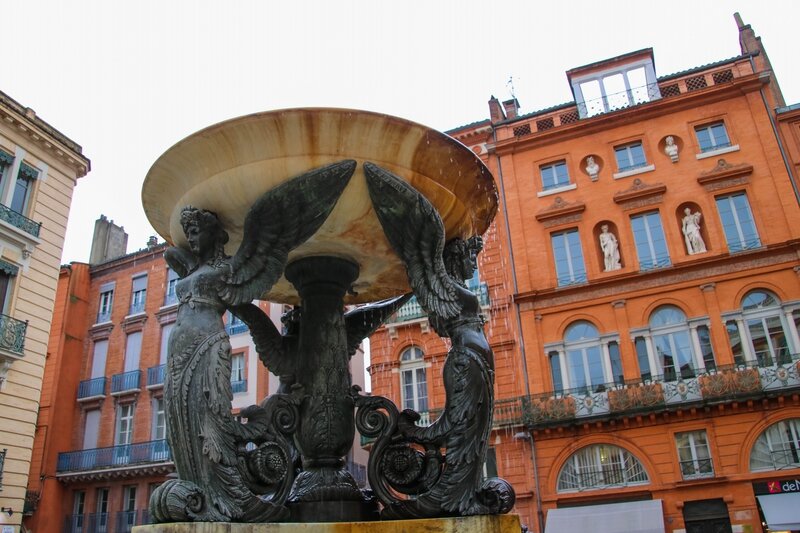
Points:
(410, 366)
(782, 310)
(123, 432)
(694, 447)
(574, 276)
(106, 304)
(552, 168)
(237, 367)
(781, 439)
(651, 85)
(743, 244)
(563, 348)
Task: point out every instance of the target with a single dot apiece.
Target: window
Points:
(102, 511)
(616, 88)
(630, 156)
(568, 257)
(651, 246)
(133, 350)
(166, 331)
(78, 510)
(7, 271)
(693, 454)
(413, 381)
(238, 381)
(172, 281)
(127, 518)
(91, 429)
(778, 447)
(490, 463)
(22, 188)
(554, 175)
(584, 362)
(555, 370)
(737, 222)
(106, 301)
(766, 329)
(124, 433)
(138, 295)
(671, 341)
(159, 420)
(712, 137)
(601, 466)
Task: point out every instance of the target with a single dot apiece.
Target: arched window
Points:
(413, 380)
(601, 466)
(584, 360)
(778, 447)
(672, 343)
(765, 328)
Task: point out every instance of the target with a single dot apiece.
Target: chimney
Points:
(496, 113)
(152, 242)
(108, 242)
(512, 108)
(750, 43)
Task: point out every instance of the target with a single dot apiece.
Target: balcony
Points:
(170, 298)
(413, 311)
(92, 388)
(143, 453)
(20, 221)
(12, 335)
(155, 376)
(697, 469)
(239, 386)
(126, 382)
(136, 308)
(103, 316)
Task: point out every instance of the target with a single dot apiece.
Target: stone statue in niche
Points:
(449, 484)
(610, 247)
(592, 168)
(219, 479)
(671, 149)
(691, 232)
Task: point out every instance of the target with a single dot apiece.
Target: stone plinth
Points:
(468, 524)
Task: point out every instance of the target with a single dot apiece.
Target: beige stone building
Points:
(39, 167)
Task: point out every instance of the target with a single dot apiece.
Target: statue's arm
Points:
(180, 260)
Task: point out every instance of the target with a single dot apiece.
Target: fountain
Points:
(322, 209)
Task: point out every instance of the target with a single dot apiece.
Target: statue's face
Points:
(201, 239)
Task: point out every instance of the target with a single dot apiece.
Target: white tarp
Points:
(782, 511)
(629, 517)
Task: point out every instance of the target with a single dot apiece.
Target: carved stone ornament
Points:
(671, 149)
(592, 168)
(559, 210)
(640, 194)
(725, 175)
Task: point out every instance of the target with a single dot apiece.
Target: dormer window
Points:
(615, 83)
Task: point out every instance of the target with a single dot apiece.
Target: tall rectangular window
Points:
(651, 246)
(102, 511)
(99, 358)
(172, 281)
(138, 294)
(124, 434)
(693, 454)
(78, 510)
(133, 350)
(554, 175)
(166, 331)
(106, 301)
(555, 372)
(23, 188)
(159, 420)
(630, 156)
(737, 222)
(568, 257)
(127, 518)
(91, 429)
(712, 137)
(237, 367)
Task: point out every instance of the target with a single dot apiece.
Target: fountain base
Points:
(506, 523)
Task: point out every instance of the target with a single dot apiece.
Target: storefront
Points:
(628, 517)
(779, 500)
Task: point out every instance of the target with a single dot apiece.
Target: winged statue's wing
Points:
(362, 322)
(180, 260)
(279, 221)
(416, 232)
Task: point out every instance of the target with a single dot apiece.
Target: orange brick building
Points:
(641, 288)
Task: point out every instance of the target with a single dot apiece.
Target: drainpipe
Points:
(777, 137)
(539, 513)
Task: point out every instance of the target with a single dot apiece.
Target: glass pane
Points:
(422, 391)
(637, 155)
(581, 331)
(719, 135)
(666, 356)
(759, 299)
(641, 356)
(667, 315)
(637, 81)
(592, 97)
(595, 364)
(736, 342)
(746, 223)
(616, 95)
(651, 246)
(704, 139)
(761, 345)
(577, 373)
(704, 337)
(20, 199)
(616, 363)
(778, 340)
(555, 370)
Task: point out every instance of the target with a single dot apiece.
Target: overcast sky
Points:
(127, 80)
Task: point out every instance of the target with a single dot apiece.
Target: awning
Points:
(782, 511)
(629, 517)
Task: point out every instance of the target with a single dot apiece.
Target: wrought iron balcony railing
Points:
(127, 381)
(236, 328)
(170, 298)
(31, 502)
(20, 221)
(696, 468)
(12, 334)
(90, 388)
(124, 521)
(155, 376)
(103, 316)
(155, 451)
(412, 310)
(136, 308)
(239, 386)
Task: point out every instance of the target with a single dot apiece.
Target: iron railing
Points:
(155, 451)
(236, 328)
(126, 381)
(12, 334)
(31, 502)
(613, 475)
(137, 307)
(155, 375)
(170, 298)
(696, 468)
(239, 386)
(20, 221)
(92, 387)
(103, 316)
